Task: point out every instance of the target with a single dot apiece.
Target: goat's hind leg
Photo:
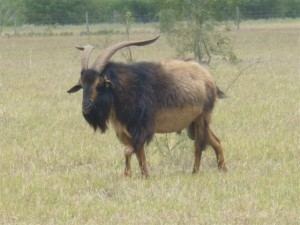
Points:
(141, 157)
(198, 133)
(214, 141)
(198, 154)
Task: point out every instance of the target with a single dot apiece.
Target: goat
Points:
(144, 98)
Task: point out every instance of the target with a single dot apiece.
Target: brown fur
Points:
(182, 84)
(181, 117)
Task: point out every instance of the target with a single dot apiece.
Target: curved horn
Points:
(102, 59)
(85, 55)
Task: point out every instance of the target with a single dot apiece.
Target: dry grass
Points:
(54, 170)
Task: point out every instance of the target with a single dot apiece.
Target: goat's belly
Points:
(175, 119)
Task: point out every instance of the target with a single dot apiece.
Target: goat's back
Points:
(183, 83)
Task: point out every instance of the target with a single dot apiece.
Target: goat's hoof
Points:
(195, 171)
(127, 173)
(222, 168)
(145, 175)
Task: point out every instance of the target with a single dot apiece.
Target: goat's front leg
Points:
(128, 153)
(140, 154)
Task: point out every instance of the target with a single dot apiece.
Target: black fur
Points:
(99, 115)
(134, 101)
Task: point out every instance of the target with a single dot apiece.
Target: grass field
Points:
(55, 170)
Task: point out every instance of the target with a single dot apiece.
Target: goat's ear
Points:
(75, 88)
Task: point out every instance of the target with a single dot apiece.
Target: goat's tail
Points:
(220, 93)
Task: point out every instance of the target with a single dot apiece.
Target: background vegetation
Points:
(73, 11)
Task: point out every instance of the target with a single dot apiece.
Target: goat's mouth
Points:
(87, 106)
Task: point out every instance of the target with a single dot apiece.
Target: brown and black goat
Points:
(145, 98)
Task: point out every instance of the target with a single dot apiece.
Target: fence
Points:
(14, 25)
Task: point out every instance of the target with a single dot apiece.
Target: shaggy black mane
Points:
(99, 115)
(134, 98)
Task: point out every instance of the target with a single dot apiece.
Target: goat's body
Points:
(179, 93)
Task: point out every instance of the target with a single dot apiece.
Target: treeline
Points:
(74, 11)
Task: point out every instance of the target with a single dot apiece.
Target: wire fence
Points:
(93, 25)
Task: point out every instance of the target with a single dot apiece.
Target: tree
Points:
(9, 12)
(196, 32)
(55, 11)
(292, 8)
(73, 11)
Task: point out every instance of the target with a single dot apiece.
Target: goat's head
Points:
(93, 79)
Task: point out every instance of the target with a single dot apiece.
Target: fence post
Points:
(237, 17)
(1, 26)
(15, 24)
(87, 22)
(128, 23)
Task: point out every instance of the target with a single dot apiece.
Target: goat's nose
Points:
(87, 105)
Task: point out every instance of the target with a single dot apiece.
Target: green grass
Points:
(55, 170)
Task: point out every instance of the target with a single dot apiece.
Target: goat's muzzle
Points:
(87, 106)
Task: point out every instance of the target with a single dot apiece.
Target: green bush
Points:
(167, 20)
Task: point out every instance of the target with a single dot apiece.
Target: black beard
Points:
(99, 115)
